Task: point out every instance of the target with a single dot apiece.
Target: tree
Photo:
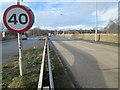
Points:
(112, 26)
(34, 32)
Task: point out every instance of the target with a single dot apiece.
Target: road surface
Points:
(93, 65)
(10, 47)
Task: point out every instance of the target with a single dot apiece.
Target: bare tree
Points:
(112, 26)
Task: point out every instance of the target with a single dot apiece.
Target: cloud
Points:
(111, 13)
(72, 27)
(61, 0)
(1, 12)
(71, 15)
(1, 15)
(65, 14)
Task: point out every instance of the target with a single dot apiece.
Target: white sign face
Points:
(17, 18)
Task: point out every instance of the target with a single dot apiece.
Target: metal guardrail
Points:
(42, 67)
(49, 68)
(40, 83)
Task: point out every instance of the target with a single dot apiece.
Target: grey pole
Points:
(18, 2)
(96, 37)
(63, 27)
(20, 50)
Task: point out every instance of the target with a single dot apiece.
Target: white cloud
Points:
(66, 14)
(33, 27)
(72, 27)
(69, 15)
(111, 13)
(61, 0)
(73, 15)
(0, 11)
(1, 15)
(106, 15)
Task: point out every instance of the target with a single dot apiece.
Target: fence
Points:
(113, 38)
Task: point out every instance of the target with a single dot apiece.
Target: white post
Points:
(63, 31)
(20, 54)
(20, 50)
(96, 37)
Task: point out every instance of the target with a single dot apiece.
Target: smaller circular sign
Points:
(18, 18)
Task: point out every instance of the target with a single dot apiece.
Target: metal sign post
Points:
(20, 50)
(18, 18)
(20, 54)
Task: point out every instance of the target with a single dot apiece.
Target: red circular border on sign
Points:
(24, 8)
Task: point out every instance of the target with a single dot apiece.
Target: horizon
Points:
(69, 15)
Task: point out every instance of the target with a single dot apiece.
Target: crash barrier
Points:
(46, 56)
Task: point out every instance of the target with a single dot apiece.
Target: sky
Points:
(59, 15)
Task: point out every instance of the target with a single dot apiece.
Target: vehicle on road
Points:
(49, 34)
(24, 37)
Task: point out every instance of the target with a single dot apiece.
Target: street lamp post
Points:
(96, 36)
(63, 27)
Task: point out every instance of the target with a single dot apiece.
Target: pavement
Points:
(93, 65)
(10, 47)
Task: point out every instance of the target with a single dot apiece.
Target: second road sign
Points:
(18, 18)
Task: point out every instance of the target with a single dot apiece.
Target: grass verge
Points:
(61, 79)
(32, 62)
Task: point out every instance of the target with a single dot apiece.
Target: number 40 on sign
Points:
(18, 18)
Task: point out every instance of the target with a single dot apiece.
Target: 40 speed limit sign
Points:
(18, 18)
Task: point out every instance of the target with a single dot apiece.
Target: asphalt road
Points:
(10, 47)
(93, 65)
